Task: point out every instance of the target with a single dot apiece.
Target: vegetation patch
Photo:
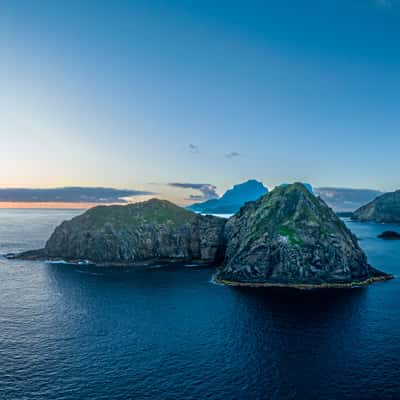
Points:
(290, 234)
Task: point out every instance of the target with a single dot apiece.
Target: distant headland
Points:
(385, 208)
(233, 199)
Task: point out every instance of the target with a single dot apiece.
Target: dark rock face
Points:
(385, 208)
(291, 237)
(233, 199)
(390, 235)
(155, 229)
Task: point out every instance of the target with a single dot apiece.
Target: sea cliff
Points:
(385, 208)
(292, 238)
(152, 230)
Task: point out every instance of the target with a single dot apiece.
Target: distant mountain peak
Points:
(233, 199)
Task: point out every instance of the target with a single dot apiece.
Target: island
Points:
(385, 208)
(292, 238)
(233, 199)
(151, 231)
(389, 235)
(288, 237)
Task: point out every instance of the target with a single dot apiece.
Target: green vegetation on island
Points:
(385, 208)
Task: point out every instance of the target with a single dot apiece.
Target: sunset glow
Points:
(83, 206)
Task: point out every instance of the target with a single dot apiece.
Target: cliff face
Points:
(385, 208)
(155, 229)
(291, 237)
(233, 199)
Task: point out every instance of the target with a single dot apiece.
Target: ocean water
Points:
(69, 332)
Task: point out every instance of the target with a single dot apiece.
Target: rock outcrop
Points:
(385, 208)
(292, 238)
(152, 230)
(389, 235)
(233, 199)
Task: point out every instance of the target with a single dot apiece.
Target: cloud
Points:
(192, 148)
(69, 195)
(207, 190)
(232, 154)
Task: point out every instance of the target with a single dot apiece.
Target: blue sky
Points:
(137, 94)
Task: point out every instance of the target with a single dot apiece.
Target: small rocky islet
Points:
(289, 237)
(389, 235)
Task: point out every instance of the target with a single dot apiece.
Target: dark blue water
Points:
(88, 333)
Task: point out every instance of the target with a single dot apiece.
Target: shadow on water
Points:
(303, 308)
(292, 312)
(291, 305)
(293, 301)
(285, 327)
(141, 278)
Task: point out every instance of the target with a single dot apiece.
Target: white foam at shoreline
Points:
(63, 262)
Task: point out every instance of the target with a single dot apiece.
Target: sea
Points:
(81, 332)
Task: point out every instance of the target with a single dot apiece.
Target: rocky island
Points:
(292, 238)
(385, 208)
(389, 235)
(288, 237)
(152, 230)
(233, 199)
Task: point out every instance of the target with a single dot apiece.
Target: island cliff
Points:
(152, 230)
(385, 208)
(292, 238)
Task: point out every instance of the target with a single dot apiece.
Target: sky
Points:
(205, 94)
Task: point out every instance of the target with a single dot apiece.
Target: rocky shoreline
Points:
(33, 256)
(305, 286)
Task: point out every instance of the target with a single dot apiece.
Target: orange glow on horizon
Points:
(54, 205)
(77, 206)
